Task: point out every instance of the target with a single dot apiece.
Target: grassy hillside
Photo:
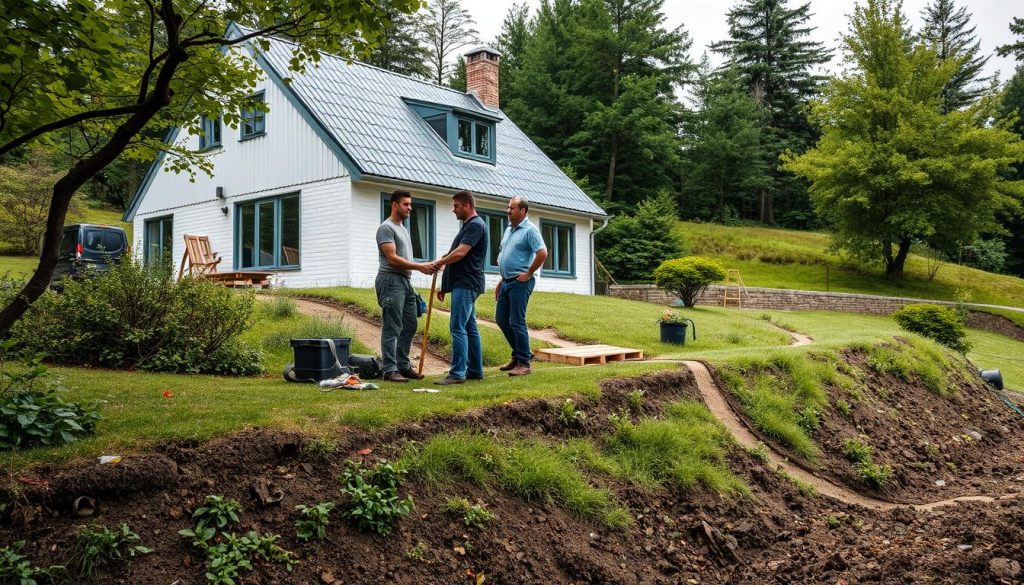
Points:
(777, 258)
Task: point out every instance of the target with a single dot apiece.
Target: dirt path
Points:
(367, 331)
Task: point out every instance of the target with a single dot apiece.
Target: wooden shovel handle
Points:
(426, 326)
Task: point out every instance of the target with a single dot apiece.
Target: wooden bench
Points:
(202, 261)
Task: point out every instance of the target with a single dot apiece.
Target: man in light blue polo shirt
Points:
(522, 253)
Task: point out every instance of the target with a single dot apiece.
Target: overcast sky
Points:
(705, 21)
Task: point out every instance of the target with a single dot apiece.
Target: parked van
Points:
(88, 248)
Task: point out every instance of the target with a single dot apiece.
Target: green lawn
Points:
(777, 258)
(18, 266)
(137, 414)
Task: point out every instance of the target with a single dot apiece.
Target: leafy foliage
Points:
(32, 412)
(856, 451)
(134, 317)
(473, 515)
(218, 512)
(688, 277)
(568, 414)
(97, 545)
(25, 191)
(891, 168)
(373, 496)
(15, 568)
(632, 246)
(400, 48)
(312, 522)
(934, 322)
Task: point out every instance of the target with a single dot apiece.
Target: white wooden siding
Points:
(362, 242)
(323, 247)
(290, 154)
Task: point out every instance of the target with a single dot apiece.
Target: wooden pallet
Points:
(585, 355)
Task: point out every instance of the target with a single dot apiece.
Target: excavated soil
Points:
(778, 535)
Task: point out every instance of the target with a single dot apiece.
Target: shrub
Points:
(134, 317)
(934, 322)
(632, 246)
(688, 277)
(373, 496)
(873, 474)
(31, 409)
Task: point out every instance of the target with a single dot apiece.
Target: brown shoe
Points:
(511, 364)
(411, 374)
(520, 370)
(394, 377)
(448, 381)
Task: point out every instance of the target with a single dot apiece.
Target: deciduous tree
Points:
(447, 28)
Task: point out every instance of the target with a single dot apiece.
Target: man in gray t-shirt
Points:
(395, 294)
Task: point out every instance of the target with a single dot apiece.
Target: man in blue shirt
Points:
(464, 279)
(522, 253)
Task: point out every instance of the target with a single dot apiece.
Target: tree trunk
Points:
(609, 188)
(894, 265)
(767, 214)
(66, 187)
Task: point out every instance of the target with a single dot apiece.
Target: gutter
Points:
(593, 255)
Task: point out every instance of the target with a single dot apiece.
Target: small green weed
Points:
(373, 496)
(98, 545)
(225, 559)
(473, 516)
(418, 552)
(833, 521)
(844, 407)
(635, 400)
(17, 569)
(320, 448)
(282, 307)
(312, 522)
(759, 452)
(810, 419)
(856, 451)
(568, 415)
(218, 512)
(873, 474)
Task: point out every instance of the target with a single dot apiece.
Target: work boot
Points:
(448, 381)
(520, 370)
(394, 377)
(511, 364)
(411, 374)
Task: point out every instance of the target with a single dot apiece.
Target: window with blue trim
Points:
(420, 224)
(254, 121)
(467, 134)
(496, 222)
(158, 242)
(474, 138)
(267, 233)
(560, 241)
(210, 137)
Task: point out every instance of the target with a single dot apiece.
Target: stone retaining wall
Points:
(777, 298)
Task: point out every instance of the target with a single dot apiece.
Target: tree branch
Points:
(69, 121)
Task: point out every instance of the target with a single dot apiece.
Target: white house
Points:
(301, 189)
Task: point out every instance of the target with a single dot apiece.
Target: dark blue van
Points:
(88, 248)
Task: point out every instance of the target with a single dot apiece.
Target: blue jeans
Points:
(511, 317)
(397, 301)
(467, 349)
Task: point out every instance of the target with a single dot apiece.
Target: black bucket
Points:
(676, 332)
(314, 360)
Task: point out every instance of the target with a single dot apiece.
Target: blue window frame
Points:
(420, 225)
(158, 241)
(496, 222)
(210, 138)
(254, 121)
(468, 134)
(267, 233)
(561, 243)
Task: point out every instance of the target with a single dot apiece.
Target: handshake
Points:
(430, 267)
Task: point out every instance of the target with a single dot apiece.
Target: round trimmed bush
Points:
(688, 277)
(934, 322)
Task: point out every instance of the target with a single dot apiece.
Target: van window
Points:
(94, 241)
(113, 241)
(67, 245)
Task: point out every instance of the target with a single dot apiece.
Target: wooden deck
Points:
(586, 355)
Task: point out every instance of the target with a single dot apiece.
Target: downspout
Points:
(593, 255)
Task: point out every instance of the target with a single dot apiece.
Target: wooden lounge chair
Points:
(203, 261)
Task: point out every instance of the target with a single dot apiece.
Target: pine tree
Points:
(768, 44)
(1017, 48)
(401, 47)
(457, 80)
(447, 28)
(516, 30)
(947, 29)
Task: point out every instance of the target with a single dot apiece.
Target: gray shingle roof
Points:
(362, 107)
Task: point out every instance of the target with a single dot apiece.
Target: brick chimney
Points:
(482, 75)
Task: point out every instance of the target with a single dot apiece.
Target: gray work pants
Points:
(397, 301)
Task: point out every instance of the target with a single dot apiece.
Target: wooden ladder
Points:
(734, 288)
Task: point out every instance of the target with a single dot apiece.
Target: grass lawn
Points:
(18, 266)
(777, 258)
(136, 413)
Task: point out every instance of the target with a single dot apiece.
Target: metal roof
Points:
(364, 110)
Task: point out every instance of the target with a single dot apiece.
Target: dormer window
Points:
(468, 134)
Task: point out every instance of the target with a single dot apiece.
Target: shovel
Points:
(426, 326)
